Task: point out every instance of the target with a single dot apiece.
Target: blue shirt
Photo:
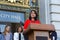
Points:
(8, 36)
(1, 37)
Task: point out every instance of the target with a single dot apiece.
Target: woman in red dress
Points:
(33, 18)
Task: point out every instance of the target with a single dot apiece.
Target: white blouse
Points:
(16, 36)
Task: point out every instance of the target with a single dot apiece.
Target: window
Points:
(55, 17)
(55, 8)
(55, 1)
(57, 25)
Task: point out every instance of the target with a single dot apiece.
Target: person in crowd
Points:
(1, 36)
(18, 35)
(33, 18)
(7, 35)
(53, 35)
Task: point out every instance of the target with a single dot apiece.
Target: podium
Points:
(39, 31)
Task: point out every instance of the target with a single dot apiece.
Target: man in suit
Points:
(53, 35)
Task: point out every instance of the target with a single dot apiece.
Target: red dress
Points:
(27, 22)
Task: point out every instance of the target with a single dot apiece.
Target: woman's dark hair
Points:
(34, 17)
(18, 28)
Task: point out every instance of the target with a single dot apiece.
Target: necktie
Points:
(19, 36)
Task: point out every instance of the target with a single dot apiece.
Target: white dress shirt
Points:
(16, 36)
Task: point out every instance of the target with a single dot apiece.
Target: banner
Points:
(6, 16)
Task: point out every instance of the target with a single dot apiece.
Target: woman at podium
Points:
(33, 18)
